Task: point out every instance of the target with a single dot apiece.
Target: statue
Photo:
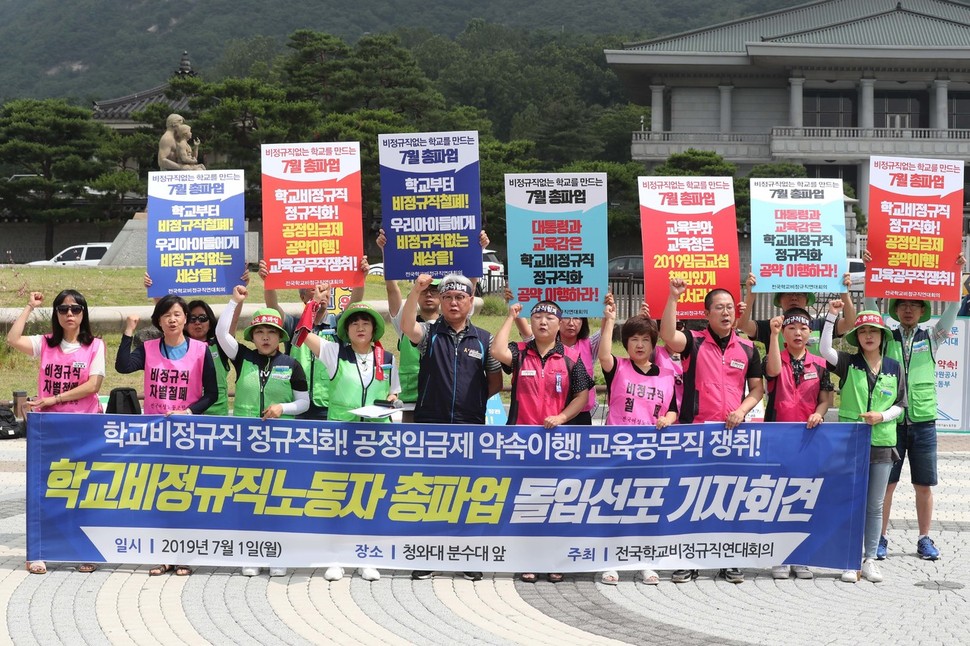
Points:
(174, 150)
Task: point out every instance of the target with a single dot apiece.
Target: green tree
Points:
(57, 145)
(696, 162)
(622, 192)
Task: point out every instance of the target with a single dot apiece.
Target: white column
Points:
(795, 107)
(941, 113)
(657, 108)
(866, 104)
(863, 193)
(725, 107)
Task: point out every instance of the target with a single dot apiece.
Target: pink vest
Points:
(540, 391)
(719, 380)
(61, 372)
(172, 384)
(635, 398)
(661, 357)
(583, 350)
(793, 403)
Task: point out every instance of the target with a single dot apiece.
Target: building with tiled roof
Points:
(116, 113)
(825, 84)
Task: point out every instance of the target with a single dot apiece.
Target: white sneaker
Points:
(802, 572)
(369, 574)
(850, 576)
(870, 571)
(334, 573)
(250, 571)
(278, 571)
(780, 571)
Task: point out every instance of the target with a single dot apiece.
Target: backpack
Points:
(123, 401)
(10, 427)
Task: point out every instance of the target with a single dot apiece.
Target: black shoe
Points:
(421, 575)
(732, 575)
(683, 576)
(473, 576)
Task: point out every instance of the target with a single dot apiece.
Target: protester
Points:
(71, 365)
(915, 349)
(429, 303)
(269, 384)
(639, 391)
(180, 375)
(761, 330)
(574, 333)
(360, 373)
(457, 371)
(322, 326)
(799, 388)
(873, 391)
(720, 365)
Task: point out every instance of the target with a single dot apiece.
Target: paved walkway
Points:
(920, 602)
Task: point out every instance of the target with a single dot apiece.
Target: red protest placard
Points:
(312, 222)
(915, 228)
(689, 231)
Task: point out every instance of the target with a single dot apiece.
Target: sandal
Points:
(37, 567)
(159, 570)
(650, 577)
(528, 577)
(182, 570)
(87, 568)
(554, 577)
(610, 577)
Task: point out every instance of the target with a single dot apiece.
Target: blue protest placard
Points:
(558, 251)
(798, 235)
(431, 204)
(294, 493)
(196, 232)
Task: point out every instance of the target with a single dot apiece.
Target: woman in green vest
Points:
(269, 384)
(873, 392)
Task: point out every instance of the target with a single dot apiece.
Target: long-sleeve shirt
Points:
(128, 361)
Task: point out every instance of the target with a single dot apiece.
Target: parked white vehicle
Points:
(89, 254)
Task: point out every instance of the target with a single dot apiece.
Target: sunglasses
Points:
(73, 309)
(201, 318)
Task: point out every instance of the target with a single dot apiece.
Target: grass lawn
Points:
(106, 286)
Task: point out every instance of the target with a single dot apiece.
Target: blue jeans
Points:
(918, 441)
(878, 480)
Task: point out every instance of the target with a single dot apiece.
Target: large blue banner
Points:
(292, 493)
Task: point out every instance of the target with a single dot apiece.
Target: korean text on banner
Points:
(196, 232)
(690, 232)
(797, 235)
(558, 250)
(915, 228)
(431, 204)
(312, 222)
(293, 493)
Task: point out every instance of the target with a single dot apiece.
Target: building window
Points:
(900, 110)
(828, 109)
(959, 111)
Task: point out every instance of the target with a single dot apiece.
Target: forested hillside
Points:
(95, 49)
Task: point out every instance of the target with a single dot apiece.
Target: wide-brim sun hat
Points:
(808, 295)
(358, 308)
(866, 317)
(270, 318)
(894, 302)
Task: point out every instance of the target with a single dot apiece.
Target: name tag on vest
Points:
(79, 365)
(281, 372)
(474, 354)
(810, 375)
(527, 373)
(737, 364)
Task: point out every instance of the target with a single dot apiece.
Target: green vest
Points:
(349, 393)
(316, 375)
(920, 373)
(408, 361)
(855, 401)
(221, 405)
(276, 391)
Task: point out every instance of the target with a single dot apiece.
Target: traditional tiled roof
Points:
(932, 23)
(123, 107)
